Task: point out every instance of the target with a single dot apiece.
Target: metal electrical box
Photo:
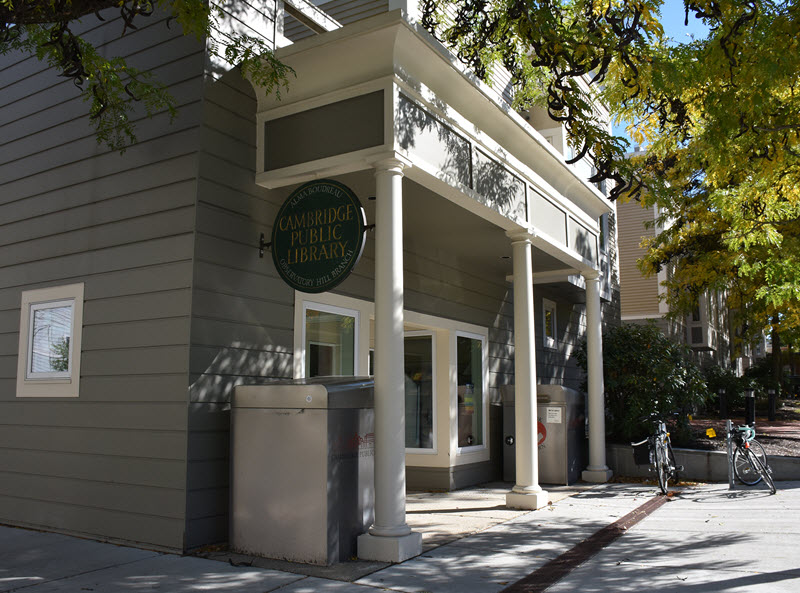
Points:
(302, 468)
(560, 431)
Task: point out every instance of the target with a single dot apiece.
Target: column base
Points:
(596, 476)
(527, 500)
(389, 548)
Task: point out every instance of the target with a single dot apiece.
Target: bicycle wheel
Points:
(673, 466)
(762, 470)
(661, 465)
(759, 452)
(744, 468)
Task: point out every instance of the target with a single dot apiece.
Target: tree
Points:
(646, 373)
(112, 87)
(720, 116)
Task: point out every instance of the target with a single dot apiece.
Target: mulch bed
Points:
(780, 437)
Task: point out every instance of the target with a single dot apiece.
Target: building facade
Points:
(133, 297)
(707, 331)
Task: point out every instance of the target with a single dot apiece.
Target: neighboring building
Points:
(133, 298)
(707, 330)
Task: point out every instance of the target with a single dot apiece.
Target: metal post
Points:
(749, 407)
(728, 429)
(723, 403)
(772, 405)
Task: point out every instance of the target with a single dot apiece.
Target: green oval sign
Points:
(318, 236)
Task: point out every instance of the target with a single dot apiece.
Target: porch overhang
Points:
(384, 86)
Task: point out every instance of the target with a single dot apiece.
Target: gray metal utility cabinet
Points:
(302, 467)
(561, 434)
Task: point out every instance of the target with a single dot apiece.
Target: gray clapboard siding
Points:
(131, 181)
(153, 305)
(103, 211)
(68, 161)
(149, 226)
(227, 307)
(223, 360)
(134, 389)
(168, 145)
(70, 267)
(131, 498)
(144, 529)
(135, 361)
(263, 283)
(135, 334)
(116, 442)
(344, 11)
(134, 416)
(110, 463)
(8, 370)
(9, 343)
(242, 316)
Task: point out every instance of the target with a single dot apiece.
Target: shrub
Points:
(645, 372)
(718, 378)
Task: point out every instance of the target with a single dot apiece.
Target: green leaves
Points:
(645, 372)
(119, 95)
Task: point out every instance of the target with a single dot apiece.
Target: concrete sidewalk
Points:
(705, 538)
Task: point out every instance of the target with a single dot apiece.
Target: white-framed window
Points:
(420, 391)
(549, 324)
(50, 330)
(603, 238)
(330, 339)
(471, 389)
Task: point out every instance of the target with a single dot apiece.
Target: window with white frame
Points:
(549, 324)
(470, 377)
(330, 339)
(50, 329)
(420, 384)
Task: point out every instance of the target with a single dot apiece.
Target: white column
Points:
(389, 539)
(597, 471)
(526, 494)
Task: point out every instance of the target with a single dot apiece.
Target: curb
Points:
(701, 466)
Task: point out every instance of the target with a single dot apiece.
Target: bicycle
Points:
(660, 454)
(750, 462)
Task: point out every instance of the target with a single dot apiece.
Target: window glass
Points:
(419, 391)
(469, 353)
(330, 343)
(549, 324)
(51, 332)
(50, 335)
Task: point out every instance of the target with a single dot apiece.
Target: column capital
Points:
(591, 274)
(521, 236)
(392, 162)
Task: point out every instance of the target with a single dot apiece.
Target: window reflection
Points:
(419, 391)
(51, 329)
(470, 391)
(330, 344)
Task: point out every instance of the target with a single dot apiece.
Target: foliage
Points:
(721, 379)
(646, 373)
(59, 360)
(760, 378)
(720, 116)
(554, 51)
(113, 88)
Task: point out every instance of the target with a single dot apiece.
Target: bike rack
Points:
(728, 431)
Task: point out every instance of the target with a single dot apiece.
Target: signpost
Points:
(318, 236)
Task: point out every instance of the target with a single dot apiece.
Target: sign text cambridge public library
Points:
(318, 236)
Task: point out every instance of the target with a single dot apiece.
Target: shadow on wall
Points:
(459, 162)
